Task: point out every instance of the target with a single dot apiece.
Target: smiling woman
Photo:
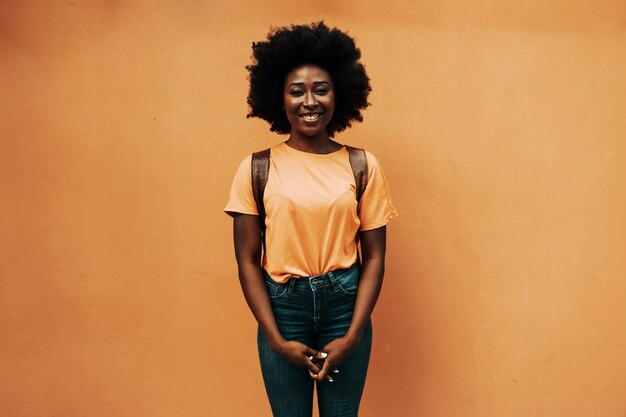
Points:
(287, 48)
(309, 201)
(309, 100)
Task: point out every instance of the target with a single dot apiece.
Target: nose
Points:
(309, 99)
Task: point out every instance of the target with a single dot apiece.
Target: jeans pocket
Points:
(348, 283)
(275, 289)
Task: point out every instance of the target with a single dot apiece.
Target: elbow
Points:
(377, 261)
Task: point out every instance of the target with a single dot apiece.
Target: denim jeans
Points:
(314, 311)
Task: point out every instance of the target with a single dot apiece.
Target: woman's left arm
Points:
(373, 245)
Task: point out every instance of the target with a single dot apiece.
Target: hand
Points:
(320, 362)
(300, 355)
(338, 350)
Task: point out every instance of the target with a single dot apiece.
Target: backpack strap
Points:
(260, 172)
(358, 162)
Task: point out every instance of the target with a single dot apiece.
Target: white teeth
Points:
(310, 117)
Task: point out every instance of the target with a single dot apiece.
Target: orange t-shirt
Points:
(312, 218)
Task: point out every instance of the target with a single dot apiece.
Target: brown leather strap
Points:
(260, 172)
(358, 162)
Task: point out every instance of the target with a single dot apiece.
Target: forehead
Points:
(307, 73)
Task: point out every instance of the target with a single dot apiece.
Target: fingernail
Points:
(330, 380)
(310, 358)
(323, 354)
(336, 371)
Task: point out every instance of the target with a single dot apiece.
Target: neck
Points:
(313, 144)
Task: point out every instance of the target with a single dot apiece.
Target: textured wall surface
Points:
(500, 126)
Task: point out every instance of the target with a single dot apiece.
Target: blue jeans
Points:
(314, 311)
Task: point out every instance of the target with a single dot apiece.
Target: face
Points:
(309, 99)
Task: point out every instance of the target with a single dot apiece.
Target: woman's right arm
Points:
(247, 237)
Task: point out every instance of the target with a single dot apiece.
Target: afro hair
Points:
(289, 47)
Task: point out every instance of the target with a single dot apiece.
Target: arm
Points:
(247, 238)
(373, 245)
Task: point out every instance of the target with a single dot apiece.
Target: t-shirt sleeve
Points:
(375, 208)
(241, 199)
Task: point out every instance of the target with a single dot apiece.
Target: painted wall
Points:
(500, 125)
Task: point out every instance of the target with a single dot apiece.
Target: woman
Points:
(311, 296)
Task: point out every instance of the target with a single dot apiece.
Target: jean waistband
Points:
(322, 280)
(328, 277)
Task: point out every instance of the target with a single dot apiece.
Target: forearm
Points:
(370, 284)
(255, 293)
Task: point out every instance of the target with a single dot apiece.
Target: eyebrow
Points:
(314, 82)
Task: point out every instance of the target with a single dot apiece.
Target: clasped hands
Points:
(319, 363)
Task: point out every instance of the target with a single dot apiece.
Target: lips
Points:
(311, 117)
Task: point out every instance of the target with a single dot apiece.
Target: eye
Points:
(321, 91)
(295, 93)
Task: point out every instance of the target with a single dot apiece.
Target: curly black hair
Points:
(287, 48)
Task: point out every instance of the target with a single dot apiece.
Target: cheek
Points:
(290, 111)
(288, 105)
(332, 101)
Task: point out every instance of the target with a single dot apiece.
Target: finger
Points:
(316, 354)
(317, 378)
(315, 361)
(312, 366)
(324, 371)
(311, 352)
(317, 357)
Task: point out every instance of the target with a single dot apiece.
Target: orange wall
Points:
(500, 125)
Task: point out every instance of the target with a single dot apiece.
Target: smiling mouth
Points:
(311, 117)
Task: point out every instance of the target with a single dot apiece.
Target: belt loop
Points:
(292, 283)
(333, 280)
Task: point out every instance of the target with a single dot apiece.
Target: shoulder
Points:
(369, 155)
(246, 162)
(373, 164)
(372, 161)
(371, 158)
